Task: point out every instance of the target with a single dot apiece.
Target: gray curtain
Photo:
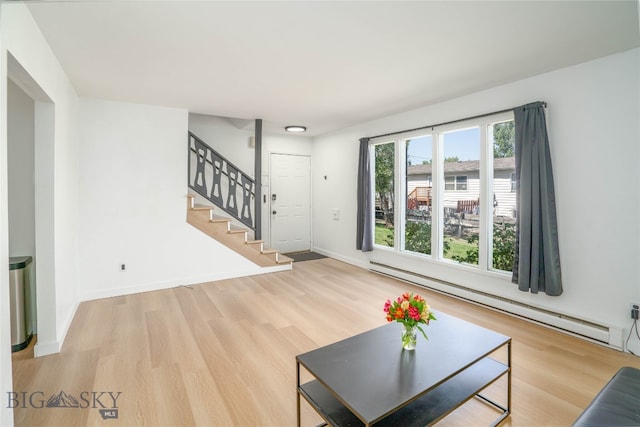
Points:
(537, 257)
(364, 239)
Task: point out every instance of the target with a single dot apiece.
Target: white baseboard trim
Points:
(364, 264)
(53, 347)
(62, 334)
(156, 286)
(46, 348)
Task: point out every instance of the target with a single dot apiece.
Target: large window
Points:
(452, 190)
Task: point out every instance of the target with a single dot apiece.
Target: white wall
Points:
(21, 185)
(336, 157)
(133, 187)
(592, 115)
(20, 140)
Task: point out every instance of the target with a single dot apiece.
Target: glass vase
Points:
(409, 336)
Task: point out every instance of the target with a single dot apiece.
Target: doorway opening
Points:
(30, 177)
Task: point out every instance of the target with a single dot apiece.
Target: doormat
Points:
(304, 256)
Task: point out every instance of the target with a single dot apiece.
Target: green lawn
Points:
(457, 247)
(384, 237)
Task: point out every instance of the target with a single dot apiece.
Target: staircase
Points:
(233, 237)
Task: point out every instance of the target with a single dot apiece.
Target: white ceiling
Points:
(326, 65)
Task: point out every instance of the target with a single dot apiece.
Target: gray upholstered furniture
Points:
(617, 404)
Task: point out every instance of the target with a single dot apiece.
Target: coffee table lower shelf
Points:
(425, 410)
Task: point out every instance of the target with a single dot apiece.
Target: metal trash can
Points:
(20, 301)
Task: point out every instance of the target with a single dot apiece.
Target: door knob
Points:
(274, 212)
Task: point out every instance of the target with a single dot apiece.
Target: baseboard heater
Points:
(591, 331)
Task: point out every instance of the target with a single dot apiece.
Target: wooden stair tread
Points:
(283, 259)
(220, 220)
(237, 231)
(201, 208)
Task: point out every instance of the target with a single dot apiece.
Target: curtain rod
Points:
(544, 104)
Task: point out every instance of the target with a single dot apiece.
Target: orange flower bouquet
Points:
(410, 310)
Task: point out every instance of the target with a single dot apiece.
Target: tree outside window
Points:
(384, 203)
(504, 196)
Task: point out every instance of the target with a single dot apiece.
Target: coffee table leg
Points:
(509, 377)
(506, 411)
(298, 392)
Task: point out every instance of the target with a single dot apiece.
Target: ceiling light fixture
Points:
(295, 129)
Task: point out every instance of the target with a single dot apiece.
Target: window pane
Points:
(461, 183)
(384, 173)
(417, 224)
(461, 195)
(449, 183)
(504, 196)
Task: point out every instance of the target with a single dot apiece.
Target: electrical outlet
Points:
(123, 267)
(635, 312)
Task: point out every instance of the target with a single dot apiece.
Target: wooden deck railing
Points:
(467, 206)
(419, 196)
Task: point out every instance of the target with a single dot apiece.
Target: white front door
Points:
(290, 202)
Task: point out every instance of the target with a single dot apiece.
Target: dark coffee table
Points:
(369, 380)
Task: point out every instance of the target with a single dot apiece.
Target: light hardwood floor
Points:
(223, 353)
